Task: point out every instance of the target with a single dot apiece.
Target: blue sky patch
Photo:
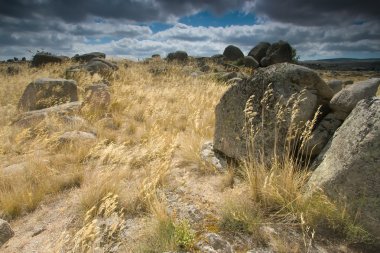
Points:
(158, 27)
(207, 19)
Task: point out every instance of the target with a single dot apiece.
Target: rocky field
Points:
(229, 153)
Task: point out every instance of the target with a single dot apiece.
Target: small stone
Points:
(38, 231)
(209, 155)
(6, 232)
(74, 136)
(218, 244)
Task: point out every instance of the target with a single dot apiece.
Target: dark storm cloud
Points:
(317, 28)
(319, 12)
(135, 10)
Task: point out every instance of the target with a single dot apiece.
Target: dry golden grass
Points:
(276, 191)
(22, 191)
(155, 115)
(165, 232)
(160, 119)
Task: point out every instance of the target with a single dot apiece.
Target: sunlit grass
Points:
(159, 120)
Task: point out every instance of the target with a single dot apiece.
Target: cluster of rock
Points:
(263, 54)
(94, 62)
(59, 97)
(16, 59)
(46, 96)
(227, 66)
(256, 119)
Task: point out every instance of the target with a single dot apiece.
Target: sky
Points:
(136, 29)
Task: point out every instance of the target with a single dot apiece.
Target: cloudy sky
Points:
(139, 28)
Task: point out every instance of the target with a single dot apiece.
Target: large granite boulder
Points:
(88, 57)
(94, 66)
(277, 53)
(32, 118)
(259, 51)
(6, 232)
(47, 92)
(233, 53)
(241, 109)
(101, 66)
(43, 58)
(180, 56)
(349, 172)
(344, 101)
(250, 62)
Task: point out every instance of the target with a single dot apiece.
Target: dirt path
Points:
(39, 232)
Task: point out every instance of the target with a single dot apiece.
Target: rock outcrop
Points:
(47, 92)
(350, 171)
(232, 53)
(240, 109)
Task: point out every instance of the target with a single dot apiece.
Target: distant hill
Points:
(347, 60)
(344, 64)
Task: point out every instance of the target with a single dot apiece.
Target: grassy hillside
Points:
(133, 188)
